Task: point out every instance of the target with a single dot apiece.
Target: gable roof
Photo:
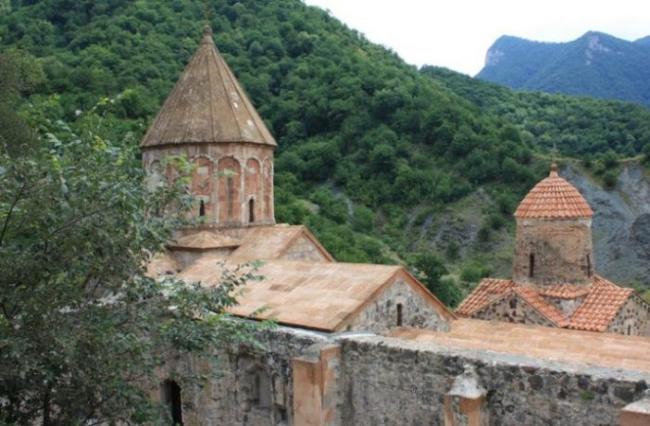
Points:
(207, 105)
(553, 198)
(602, 301)
(272, 242)
(319, 296)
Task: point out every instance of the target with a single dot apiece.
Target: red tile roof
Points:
(488, 290)
(600, 306)
(564, 291)
(553, 198)
(603, 300)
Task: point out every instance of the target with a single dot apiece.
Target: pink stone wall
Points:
(227, 177)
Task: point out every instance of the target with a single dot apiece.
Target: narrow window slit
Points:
(251, 210)
(399, 315)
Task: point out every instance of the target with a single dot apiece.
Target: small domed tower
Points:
(553, 241)
(209, 119)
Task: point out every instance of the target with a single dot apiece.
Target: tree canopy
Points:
(82, 326)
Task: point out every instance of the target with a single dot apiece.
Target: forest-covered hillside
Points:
(381, 160)
(595, 64)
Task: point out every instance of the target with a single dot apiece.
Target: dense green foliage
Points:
(82, 328)
(596, 65)
(372, 153)
(575, 127)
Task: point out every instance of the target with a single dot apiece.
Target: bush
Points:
(610, 178)
(453, 250)
(472, 273)
(484, 234)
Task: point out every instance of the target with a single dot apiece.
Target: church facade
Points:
(361, 344)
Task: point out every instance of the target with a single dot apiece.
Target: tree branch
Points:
(5, 226)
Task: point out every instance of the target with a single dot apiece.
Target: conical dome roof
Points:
(207, 105)
(553, 198)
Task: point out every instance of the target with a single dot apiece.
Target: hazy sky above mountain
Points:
(457, 33)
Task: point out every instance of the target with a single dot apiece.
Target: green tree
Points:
(431, 270)
(82, 326)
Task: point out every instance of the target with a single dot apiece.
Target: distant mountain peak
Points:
(595, 64)
(643, 41)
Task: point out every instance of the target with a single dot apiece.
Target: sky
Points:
(457, 33)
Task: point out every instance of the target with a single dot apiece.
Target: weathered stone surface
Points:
(632, 319)
(558, 251)
(512, 309)
(362, 379)
(400, 305)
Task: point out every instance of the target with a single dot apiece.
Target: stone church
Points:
(554, 282)
(361, 344)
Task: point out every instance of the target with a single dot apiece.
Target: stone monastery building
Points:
(553, 280)
(360, 344)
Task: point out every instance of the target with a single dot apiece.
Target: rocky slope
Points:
(621, 223)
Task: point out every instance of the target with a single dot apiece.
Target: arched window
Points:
(251, 210)
(588, 265)
(531, 265)
(172, 397)
(399, 315)
(231, 190)
(202, 209)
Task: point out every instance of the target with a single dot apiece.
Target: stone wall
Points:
(245, 385)
(416, 311)
(372, 380)
(561, 252)
(632, 319)
(512, 308)
(392, 382)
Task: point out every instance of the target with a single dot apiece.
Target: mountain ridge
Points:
(595, 64)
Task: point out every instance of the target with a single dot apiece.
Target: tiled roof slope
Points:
(542, 343)
(207, 105)
(204, 240)
(320, 296)
(600, 306)
(488, 290)
(553, 198)
(254, 243)
(602, 301)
